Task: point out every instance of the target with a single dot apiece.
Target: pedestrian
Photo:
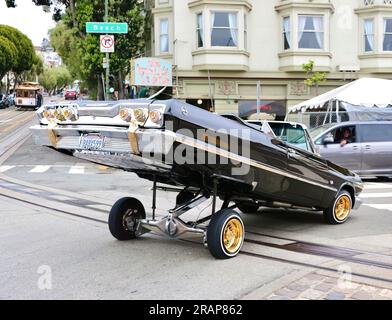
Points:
(39, 99)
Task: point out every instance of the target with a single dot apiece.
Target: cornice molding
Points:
(227, 3)
(373, 9)
(305, 5)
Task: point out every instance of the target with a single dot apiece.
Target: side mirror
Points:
(328, 140)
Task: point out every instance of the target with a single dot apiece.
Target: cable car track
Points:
(266, 244)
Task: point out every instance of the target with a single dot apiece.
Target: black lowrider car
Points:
(200, 155)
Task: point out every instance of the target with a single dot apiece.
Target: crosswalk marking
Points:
(39, 169)
(376, 195)
(76, 170)
(385, 206)
(377, 186)
(6, 168)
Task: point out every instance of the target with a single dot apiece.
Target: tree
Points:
(7, 55)
(35, 71)
(53, 79)
(23, 49)
(314, 78)
(80, 51)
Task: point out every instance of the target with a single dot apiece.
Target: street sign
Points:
(107, 44)
(106, 27)
(105, 63)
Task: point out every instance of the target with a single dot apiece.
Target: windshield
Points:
(290, 133)
(316, 131)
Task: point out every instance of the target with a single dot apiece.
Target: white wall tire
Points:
(225, 234)
(339, 211)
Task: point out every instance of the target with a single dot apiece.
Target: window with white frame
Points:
(310, 32)
(200, 30)
(164, 35)
(387, 44)
(368, 35)
(286, 33)
(224, 29)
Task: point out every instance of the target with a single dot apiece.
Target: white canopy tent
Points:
(366, 99)
(365, 92)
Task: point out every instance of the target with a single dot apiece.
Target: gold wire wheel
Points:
(232, 235)
(342, 207)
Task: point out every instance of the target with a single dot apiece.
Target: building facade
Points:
(221, 49)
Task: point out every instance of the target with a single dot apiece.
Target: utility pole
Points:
(107, 54)
(258, 89)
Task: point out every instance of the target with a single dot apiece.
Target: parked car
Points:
(362, 147)
(71, 95)
(3, 101)
(200, 155)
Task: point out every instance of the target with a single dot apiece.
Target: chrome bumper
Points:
(128, 148)
(358, 203)
(121, 140)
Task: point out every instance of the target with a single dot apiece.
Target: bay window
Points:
(369, 35)
(286, 33)
(310, 32)
(387, 44)
(224, 29)
(164, 35)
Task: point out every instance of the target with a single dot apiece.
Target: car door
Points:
(312, 172)
(376, 141)
(348, 155)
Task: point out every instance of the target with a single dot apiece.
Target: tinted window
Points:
(376, 132)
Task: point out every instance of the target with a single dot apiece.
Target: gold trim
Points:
(342, 208)
(53, 138)
(133, 139)
(232, 235)
(230, 155)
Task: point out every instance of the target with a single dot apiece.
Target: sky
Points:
(28, 18)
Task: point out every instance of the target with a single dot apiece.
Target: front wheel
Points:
(225, 234)
(339, 211)
(124, 218)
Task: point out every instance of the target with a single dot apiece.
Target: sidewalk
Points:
(315, 286)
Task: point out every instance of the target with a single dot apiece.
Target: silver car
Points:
(362, 147)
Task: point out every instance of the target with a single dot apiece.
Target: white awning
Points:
(366, 92)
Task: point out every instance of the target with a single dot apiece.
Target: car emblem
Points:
(184, 111)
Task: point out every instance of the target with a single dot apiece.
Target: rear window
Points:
(376, 132)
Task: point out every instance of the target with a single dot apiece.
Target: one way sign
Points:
(107, 44)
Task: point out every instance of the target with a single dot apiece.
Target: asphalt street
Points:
(82, 260)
